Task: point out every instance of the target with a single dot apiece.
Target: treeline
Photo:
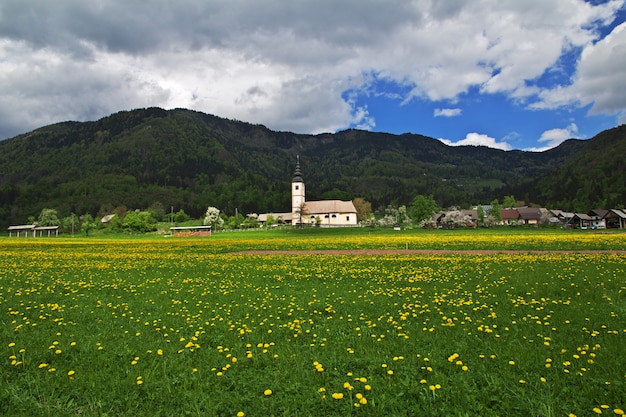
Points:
(188, 161)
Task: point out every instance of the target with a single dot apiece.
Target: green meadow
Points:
(164, 326)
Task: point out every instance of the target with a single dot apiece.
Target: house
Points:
(33, 230)
(529, 215)
(597, 218)
(562, 216)
(509, 216)
(581, 221)
(278, 217)
(615, 219)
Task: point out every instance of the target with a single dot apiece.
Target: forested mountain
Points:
(592, 178)
(189, 160)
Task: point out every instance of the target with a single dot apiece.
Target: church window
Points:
(297, 187)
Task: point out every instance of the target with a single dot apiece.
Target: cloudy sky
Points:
(503, 73)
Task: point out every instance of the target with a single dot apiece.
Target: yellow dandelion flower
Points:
(42, 365)
(70, 373)
(597, 410)
(619, 411)
(241, 414)
(337, 395)
(267, 392)
(160, 352)
(363, 400)
(12, 344)
(389, 372)
(367, 388)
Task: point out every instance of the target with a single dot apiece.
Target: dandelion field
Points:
(182, 327)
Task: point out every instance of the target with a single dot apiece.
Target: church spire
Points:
(297, 176)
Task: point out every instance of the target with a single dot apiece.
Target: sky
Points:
(506, 74)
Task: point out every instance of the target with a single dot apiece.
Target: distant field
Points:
(180, 326)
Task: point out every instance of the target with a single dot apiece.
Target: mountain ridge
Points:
(188, 160)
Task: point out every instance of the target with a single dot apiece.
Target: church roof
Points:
(329, 206)
(297, 176)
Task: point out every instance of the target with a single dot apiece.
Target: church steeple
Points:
(297, 195)
(297, 176)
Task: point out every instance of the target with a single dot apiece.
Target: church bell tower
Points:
(297, 195)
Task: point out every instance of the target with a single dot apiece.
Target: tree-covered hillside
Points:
(595, 177)
(190, 160)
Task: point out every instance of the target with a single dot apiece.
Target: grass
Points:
(178, 327)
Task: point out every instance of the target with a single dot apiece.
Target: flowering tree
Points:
(212, 218)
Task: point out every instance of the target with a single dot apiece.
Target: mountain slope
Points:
(189, 160)
(595, 177)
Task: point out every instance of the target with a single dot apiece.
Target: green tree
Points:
(87, 223)
(70, 224)
(509, 202)
(180, 216)
(422, 208)
(270, 220)
(138, 222)
(48, 217)
(480, 214)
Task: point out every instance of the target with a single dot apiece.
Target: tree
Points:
(48, 217)
(422, 208)
(138, 221)
(363, 209)
(456, 218)
(70, 224)
(480, 215)
(509, 202)
(494, 211)
(270, 220)
(212, 218)
(87, 223)
(180, 216)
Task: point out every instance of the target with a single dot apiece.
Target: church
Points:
(325, 213)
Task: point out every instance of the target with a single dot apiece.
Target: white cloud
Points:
(289, 64)
(600, 80)
(447, 112)
(554, 137)
(477, 139)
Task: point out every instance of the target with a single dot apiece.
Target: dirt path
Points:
(369, 252)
